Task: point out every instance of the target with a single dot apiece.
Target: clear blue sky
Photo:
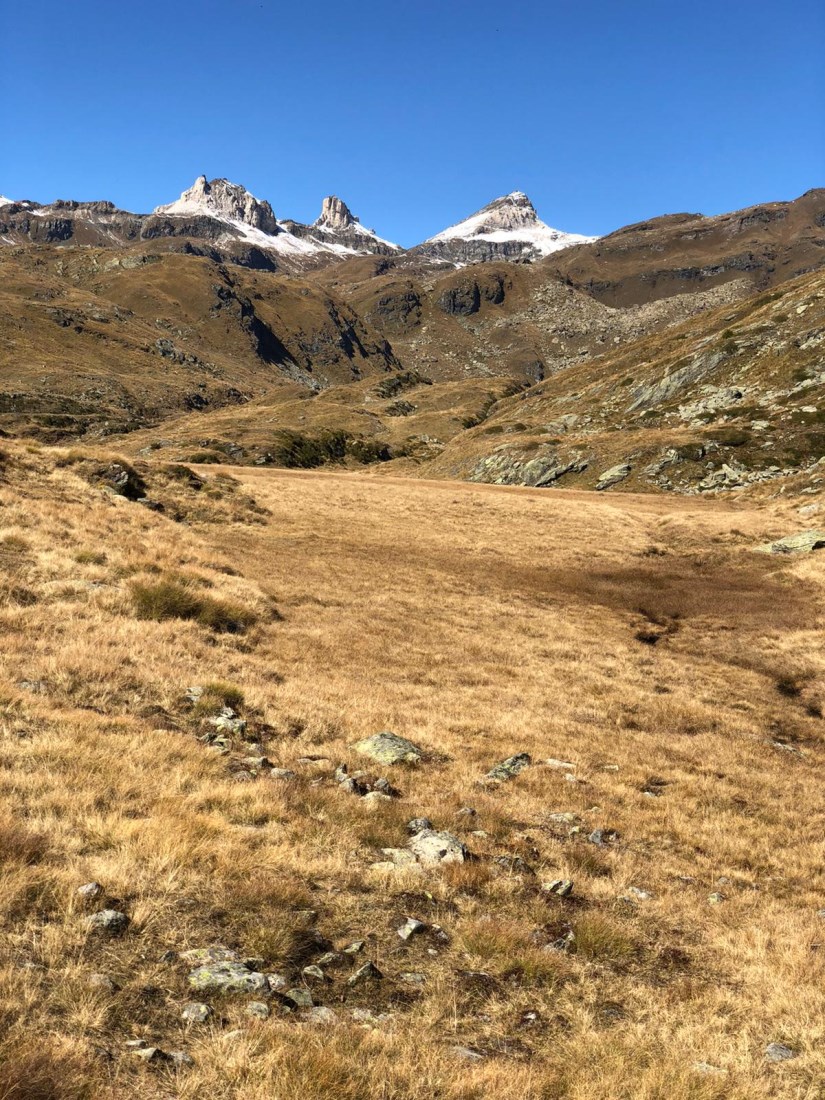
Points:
(416, 114)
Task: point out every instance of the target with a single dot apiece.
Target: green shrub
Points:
(218, 694)
(170, 599)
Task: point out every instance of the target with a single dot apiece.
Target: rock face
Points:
(225, 200)
(339, 229)
(505, 468)
(335, 214)
(506, 229)
(613, 476)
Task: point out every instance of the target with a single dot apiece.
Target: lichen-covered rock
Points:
(509, 767)
(369, 972)
(389, 748)
(613, 476)
(803, 543)
(196, 1012)
(228, 977)
(431, 847)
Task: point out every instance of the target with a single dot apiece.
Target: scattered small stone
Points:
(389, 748)
(315, 972)
(368, 972)
(90, 891)
(561, 887)
(778, 1052)
(466, 811)
(227, 722)
(196, 1012)
(233, 1036)
(467, 1054)
(515, 864)
(151, 1055)
(412, 977)
(706, 1067)
(180, 1059)
(418, 825)
(109, 921)
(259, 1010)
(103, 982)
(373, 798)
(276, 982)
(633, 893)
(36, 687)
(353, 948)
(330, 958)
(411, 927)
(562, 765)
(135, 1044)
(299, 998)
(602, 837)
(319, 1014)
(283, 774)
(431, 847)
(563, 818)
(821, 914)
(715, 898)
(509, 768)
(368, 1017)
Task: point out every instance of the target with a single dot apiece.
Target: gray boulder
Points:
(432, 847)
(109, 921)
(803, 543)
(389, 748)
(196, 1012)
(228, 977)
(778, 1052)
(613, 476)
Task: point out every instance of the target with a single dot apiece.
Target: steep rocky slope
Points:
(732, 398)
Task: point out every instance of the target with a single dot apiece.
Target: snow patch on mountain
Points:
(511, 218)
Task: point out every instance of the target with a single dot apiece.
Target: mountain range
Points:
(226, 213)
(498, 349)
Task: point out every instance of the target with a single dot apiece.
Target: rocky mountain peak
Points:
(509, 212)
(335, 214)
(220, 198)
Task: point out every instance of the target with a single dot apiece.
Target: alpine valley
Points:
(681, 353)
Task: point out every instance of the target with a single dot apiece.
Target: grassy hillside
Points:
(666, 681)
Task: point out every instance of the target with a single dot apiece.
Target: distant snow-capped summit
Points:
(220, 198)
(506, 228)
(336, 231)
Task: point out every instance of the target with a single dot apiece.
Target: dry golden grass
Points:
(480, 622)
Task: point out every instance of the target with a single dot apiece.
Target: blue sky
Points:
(605, 112)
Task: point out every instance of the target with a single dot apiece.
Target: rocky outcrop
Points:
(225, 200)
(338, 227)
